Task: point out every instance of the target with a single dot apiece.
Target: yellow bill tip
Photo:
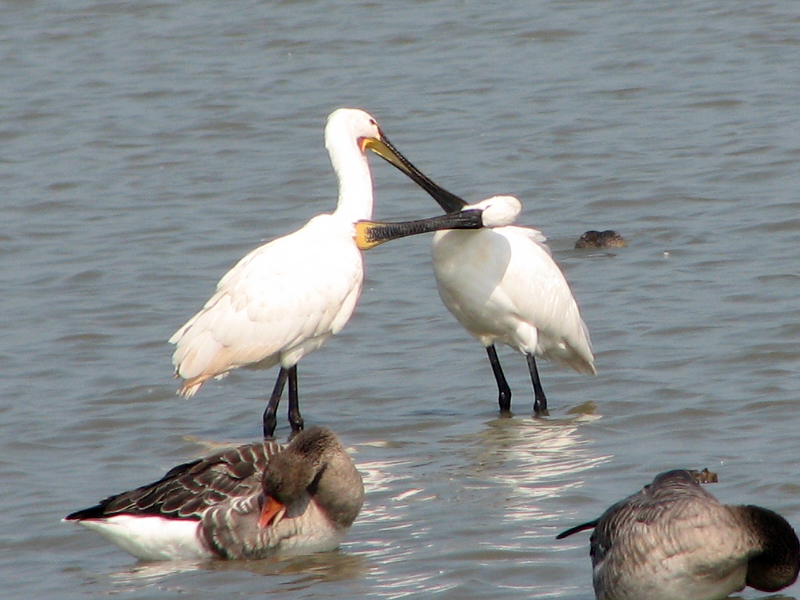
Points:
(365, 240)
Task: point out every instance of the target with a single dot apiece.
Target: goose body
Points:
(675, 541)
(250, 502)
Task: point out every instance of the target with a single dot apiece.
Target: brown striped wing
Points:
(188, 490)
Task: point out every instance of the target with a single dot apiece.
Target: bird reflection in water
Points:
(537, 460)
(301, 571)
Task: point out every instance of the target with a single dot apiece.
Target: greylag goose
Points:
(675, 541)
(250, 502)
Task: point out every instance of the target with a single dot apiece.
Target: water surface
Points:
(146, 146)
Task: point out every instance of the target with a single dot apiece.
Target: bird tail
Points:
(189, 387)
(576, 529)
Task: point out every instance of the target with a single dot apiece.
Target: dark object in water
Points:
(601, 239)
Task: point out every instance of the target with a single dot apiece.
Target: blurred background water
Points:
(147, 145)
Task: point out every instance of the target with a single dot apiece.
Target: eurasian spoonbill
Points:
(503, 285)
(289, 296)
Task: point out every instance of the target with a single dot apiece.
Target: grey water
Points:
(145, 146)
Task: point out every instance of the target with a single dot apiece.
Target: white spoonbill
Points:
(503, 285)
(675, 541)
(249, 502)
(287, 297)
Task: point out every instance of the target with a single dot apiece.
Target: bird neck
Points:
(777, 562)
(340, 491)
(355, 180)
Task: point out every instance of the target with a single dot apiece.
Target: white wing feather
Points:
(503, 285)
(281, 301)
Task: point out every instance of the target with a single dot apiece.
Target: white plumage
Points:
(280, 302)
(503, 285)
(286, 298)
(152, 538)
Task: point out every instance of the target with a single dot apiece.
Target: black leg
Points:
(272, 406)
(504, 398)
(294, 404)
(539, 400)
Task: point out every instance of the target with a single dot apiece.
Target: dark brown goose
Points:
(249, 502)
(675, 541)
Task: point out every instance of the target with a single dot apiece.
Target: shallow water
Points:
(146, 146)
